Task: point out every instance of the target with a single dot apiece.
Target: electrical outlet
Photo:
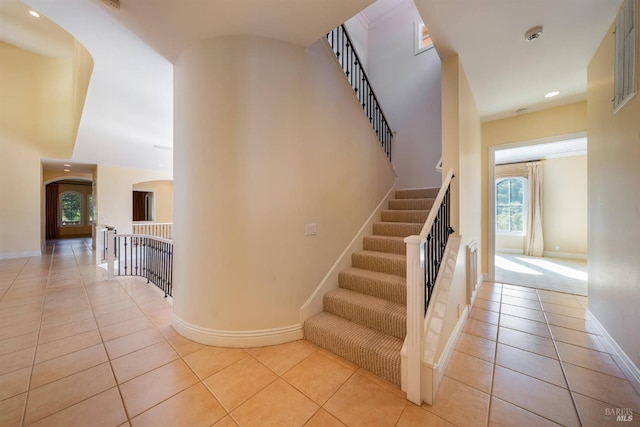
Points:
(310, 229)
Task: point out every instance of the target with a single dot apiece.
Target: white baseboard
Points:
(12, 255)
(623, 361)
(237, 339)
(553, 254)
(509, 251)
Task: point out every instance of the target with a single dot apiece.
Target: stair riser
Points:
(422, 193)
(411, 204)
(394, 324)
(370, 243)
(396, 229)
(393, 292)
(382, 265)
(361, 356)
(405, 216)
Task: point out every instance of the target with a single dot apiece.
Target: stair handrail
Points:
(424, 256)
(343, 47)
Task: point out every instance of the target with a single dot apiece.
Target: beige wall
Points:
(162, 198)
(614, 204)
(277, 140)
(113, 194)
(564, 120)
(564, 204)
(461, 144)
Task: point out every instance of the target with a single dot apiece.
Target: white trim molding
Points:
(237, 339)
(624, 362)
(12, 255)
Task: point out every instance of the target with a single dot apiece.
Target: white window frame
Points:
(625, 61)
(82, 209)
(417, 39)
(525, 190)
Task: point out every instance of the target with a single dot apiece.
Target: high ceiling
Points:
(128, 114)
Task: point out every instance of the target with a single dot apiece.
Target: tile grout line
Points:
(495, 357)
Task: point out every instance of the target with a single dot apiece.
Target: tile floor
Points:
(76, 350)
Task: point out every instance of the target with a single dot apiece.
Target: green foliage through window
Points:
(510, 200)
(71, 208)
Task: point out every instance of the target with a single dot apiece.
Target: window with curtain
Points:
(511, 210)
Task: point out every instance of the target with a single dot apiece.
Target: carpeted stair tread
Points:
(373, 350)
(400, 229)
(374, 313)
(411, 204)
(417, 193)
(381, 262)
(408, 215)
(388, 244)
(380, 285)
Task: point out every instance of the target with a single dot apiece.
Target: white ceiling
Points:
(507, 73)
(548, 150)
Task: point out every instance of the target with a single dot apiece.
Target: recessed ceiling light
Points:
(34, 13)
(67, 165)
(552, 94)
(533, 33)
(67, 170)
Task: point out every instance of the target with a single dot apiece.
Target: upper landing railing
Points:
(352, 66)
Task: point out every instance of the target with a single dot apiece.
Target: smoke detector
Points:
(533, 33)
(113, 4)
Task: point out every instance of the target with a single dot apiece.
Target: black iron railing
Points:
(352, 66)
(146, 256)
(435, 244)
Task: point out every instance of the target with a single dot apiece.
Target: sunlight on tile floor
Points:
(76, 350)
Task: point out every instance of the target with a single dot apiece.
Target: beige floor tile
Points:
(280, 358)
(471, 371)
(484, 315)
(50, 398)
(415, 416)
(65, 317)
(476, 346)
(387, 385)
(139, 362)
(525, 325)
(67, 345)
(184, 345)
(460, 404)
(342, 361)
(531, 364)
(104, 409)
(133, 342)
(582, 339)
(596, 413)
(504, 414)
(226, 422)
(317, 377)
(489, 305)
(119, 316)
(209, 360)
(19, 329)
(56, 332)
(521, 302)
(14, 383)
(238, 382)
(192, 407)
(60, 367)
(17, 360)
(571, 323)
(18, 343)
(361, 402)
(527, 342)
(323, 419)
(481, 329)
(612, 390)
(519, 292)
(564, 310)
(526, 313)
(145, 391)
(279, 404)
(113, 306)
(566, 300)
(11, 410)
(534, 395)
(588, 358)
(127, 327)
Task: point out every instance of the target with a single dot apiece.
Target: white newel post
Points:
(99, 244)
(415, 317)
(111, 244)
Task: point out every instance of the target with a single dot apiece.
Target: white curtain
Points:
(534, 242)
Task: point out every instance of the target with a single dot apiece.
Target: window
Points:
(71, 208)
(624, 76)
(510, 205)
(422, 38)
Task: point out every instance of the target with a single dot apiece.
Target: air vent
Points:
(113, 4)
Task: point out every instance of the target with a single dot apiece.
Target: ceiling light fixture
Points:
(552, 94)
(34, 13)
(67, 170)
(67, 165)
(522, 111)
(533, 33)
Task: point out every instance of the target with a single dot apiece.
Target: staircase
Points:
(364, 319)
